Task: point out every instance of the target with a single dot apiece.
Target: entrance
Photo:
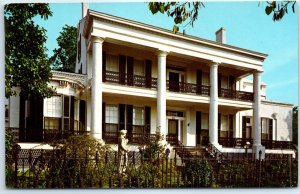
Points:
(175, 121)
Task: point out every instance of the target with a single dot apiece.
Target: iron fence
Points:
(60, 168)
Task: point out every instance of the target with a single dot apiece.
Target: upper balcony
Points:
(173, 86)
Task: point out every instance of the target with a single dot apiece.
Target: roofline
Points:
(277, 103)
(161, 31)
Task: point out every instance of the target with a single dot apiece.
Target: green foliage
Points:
(295, 125)
(26, 62)
(64, 57)
(9, 149)
(279, 8)
(179, 11)
(199, 173)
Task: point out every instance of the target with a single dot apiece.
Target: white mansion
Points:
(138, 77)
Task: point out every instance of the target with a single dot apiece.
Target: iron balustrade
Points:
(236, 95)
(189, 88)
(130, 80)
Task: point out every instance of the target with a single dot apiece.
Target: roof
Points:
(163, 32)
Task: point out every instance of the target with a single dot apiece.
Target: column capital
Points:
(97, 39)
(162, 53)
(257, 72)
(214, 63)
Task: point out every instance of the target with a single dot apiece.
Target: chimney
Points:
(85, 7)
(221, 35)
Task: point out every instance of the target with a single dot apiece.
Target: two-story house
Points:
(145, 79)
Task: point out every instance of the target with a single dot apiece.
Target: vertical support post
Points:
(213, 106)
(161, 92)
(97, 88)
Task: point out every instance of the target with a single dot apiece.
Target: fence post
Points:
(259, 167)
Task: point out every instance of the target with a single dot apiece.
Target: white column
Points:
(96, 90)
(161, 92)
(256, 109)
(213, 106)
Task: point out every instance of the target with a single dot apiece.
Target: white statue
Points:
(122, 151)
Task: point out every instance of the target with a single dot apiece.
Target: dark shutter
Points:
(82, 112)
(230, 126)
(219, 85)
(148, 73)
(219, 125)
(198, 127)
(121, 116)
(103, 66)
(122, 69)
(199, 82)
(231, 82)
(35, 131)
(129, 119)
(244, 126)
(147, 119)
(130, 71)
(270, 129)
(103, 119)
(72, 115)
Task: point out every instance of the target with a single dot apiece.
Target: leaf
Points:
(268, 10)
(175, 29)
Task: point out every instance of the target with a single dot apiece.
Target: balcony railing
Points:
(133, 138)
(236, 95)
(243, 142)
(130, 80)
(190, 88)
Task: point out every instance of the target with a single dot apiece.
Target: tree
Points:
(187, 12)
(295, 125)
(64, 57)
(26, 62)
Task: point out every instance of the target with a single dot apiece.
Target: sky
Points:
(247, 26)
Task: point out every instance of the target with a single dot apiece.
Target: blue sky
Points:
(246, 24)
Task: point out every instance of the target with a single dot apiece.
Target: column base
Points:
(259, 151)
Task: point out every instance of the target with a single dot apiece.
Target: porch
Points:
(142, 138)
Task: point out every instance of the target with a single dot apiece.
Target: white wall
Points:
(284, 119)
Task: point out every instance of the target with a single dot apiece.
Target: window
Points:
(112, 63)
(204, 121)
(205, 79)
(138, 116)
(52, 123)
(266, 128)
(53, 106)
(139, 67)
(111, 118)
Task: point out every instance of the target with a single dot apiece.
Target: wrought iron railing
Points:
(130, 80)
(133, 138)
(236, 95)
(189, 88)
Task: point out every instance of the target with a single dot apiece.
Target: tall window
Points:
(111, 118)
(112, 63)
(52, 112)
(138, 119)
(139, 67)
(266, 128)
(205, 78)
(138, 116)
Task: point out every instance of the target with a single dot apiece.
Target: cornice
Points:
(166, 33)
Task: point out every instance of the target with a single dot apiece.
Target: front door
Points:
(173, 130)
(246, 129)
(173, 81)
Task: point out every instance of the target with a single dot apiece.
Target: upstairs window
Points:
(112, 63)
(139, 67)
